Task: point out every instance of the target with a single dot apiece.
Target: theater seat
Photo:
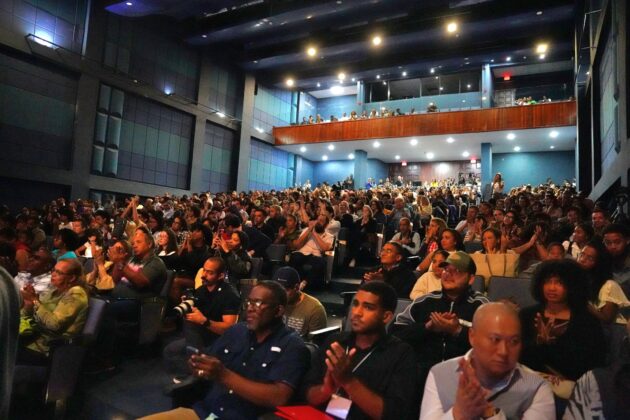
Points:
(511, 288)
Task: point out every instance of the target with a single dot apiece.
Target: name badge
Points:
(338, 406)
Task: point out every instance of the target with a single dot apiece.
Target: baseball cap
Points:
(287, 276)
(462, 261)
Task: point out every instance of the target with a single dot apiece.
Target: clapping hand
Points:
(206, 367)
(444, 322)
(375, 275)
(339, 362)
(544, 329)
(470, 399)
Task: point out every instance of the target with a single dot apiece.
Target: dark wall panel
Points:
(29, 193)
(219, 158)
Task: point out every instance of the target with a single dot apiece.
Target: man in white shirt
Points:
(488, 382)
(38, 271)
(309, 260)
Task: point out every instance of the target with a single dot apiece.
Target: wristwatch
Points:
(206, 323)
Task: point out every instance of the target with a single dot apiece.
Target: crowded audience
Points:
(425, 243)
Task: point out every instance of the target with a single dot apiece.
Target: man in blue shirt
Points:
(255, 366)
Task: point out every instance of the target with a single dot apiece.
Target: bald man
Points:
(488, 382)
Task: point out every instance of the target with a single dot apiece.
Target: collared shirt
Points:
(281, 357)
(311, 247)
(223, 300)
(388, 368)
(541, 408)
(40, 283)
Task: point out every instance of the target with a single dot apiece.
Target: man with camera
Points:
(207, 312)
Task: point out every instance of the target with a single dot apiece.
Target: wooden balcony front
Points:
(554, 114)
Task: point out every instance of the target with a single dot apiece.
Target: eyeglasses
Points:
(451, 271)
(256, 303)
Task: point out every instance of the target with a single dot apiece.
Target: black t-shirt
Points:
(223, 300)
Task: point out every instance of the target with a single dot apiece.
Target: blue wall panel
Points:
(337, 106)
(377, 170)
(534, 168)
(332, 171)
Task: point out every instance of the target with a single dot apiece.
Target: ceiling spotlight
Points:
(588, 72)
(539, 12)
(441, 87)
(451, 27)
(376, 145)
(302, 149)
(432, 70)
(517, 149)
(397, 157)
(483, 98)
(220, 115)
(129, 3)
(511, 136)
(492, 60)
(324, 157)
(351, 156)
(377, 40)
(553, 134)
(309, 17)
(331, 147)
(260, 130)
(508, 58)
(385, 83)
(319, 84)
(404, 74)
(465, 153)
(541, 48)
(341, 76)
(378, 76)
(450, 140)
(204, 36)
(311, 51)
(430, 155)
(437, 77)
(468, 86)
(552, 147)
(290, 82)
(354, 79)
(541, 56)
(413, 142)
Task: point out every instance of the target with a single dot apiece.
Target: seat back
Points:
(257, 264)
(344, 234)
(472, 246)
(479, 284)
(401, 305)
(170, 277)
(96, 310)
(276, 252)
(88, 265)
(514, 289)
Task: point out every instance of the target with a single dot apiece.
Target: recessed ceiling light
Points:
(376, 40)
(385, 83)
(432, 70)
(311, 51)
(541, 56)
(588, 72)
(413, 142)
(168, 91)
(539, 12)
(463, 100)
(354, 79)
(517, 149)
(351, 156)
(483, 98)
(468, 86)
(324, 157)
(492, 60)
(378, 76)
(309, 17)
(376, 145)
(397, 157)
(552, 147)
(508, 58)
(511, 136)
(450, 140)
(451, 27)
(220, 115)
(553, 134)
(331, 147)
(204, 36)
(302, 149)
(441, 87)
(465, 153)
(404, 73)
(319, 84)
(430, 155)
(341, 76)
(289, 82)
(129, 3)
(260, 130)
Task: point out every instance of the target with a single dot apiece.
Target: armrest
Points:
(323, 331)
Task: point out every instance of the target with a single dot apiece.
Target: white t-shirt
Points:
(612, 292)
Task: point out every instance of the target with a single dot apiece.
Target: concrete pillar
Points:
(486, 168)
(360, 168)
(486, 86)
(242, 175)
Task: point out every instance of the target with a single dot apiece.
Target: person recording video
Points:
(231, 248)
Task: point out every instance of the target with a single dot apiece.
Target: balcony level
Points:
(547, 115)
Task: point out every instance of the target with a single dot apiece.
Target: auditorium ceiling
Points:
(271, 38)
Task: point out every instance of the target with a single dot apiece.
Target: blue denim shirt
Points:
(282, 357)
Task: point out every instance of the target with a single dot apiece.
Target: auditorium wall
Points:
(534, 168)
(270, 168)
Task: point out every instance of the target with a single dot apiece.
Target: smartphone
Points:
(190, 350)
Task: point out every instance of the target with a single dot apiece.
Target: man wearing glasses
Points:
(255, 365)
(436, 325)
(393, 271)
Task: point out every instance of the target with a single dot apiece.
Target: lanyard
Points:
(362, 360)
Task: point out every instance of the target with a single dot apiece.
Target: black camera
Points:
(188, 303)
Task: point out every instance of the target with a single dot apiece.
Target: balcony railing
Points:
(554, 114)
